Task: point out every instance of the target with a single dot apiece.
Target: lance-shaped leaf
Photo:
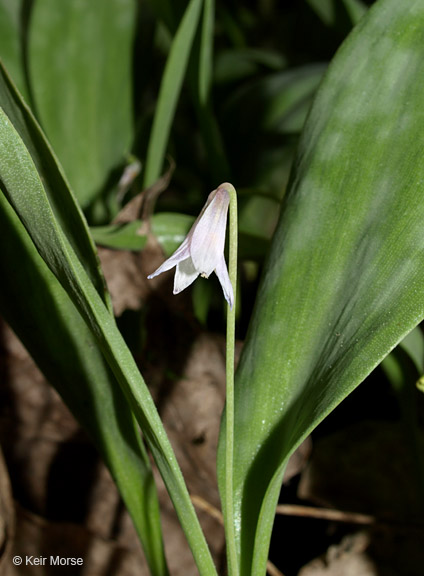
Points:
(23, 188)
(43, 316)
(46, 320)
(170, 89)
(343, 283)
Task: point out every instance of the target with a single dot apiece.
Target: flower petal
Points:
(207, 237)
(224, 279)
(180, 254)
(185, 274)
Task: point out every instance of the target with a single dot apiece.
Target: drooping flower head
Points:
(202, 251)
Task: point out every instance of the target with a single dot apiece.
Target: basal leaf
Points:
(23, 189)
(343, 281)
(42, 315)
(80, 71)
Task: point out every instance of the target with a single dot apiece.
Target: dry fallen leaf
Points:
(67, 495)
(349, 558)
(40, 538)
(381, 550)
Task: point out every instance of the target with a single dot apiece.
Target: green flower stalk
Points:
(229, 520)
(200, 254)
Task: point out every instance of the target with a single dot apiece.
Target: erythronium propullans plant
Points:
(341, 286)
(202, 253)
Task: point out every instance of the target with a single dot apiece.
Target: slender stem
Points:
(233, 567)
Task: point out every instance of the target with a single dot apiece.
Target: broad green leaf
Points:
(170, 89)
(79, 55)
(24, 190)
(57, 337)
(343, 280)
(11, 41)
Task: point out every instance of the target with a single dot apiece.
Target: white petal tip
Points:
(153, 274)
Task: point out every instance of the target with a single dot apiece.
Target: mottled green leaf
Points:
(343, 281)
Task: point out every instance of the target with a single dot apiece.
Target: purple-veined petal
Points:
(224, 279)
(179, 255)
(185, 274)
(207, 237)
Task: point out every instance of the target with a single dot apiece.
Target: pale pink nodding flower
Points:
(202, 251)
